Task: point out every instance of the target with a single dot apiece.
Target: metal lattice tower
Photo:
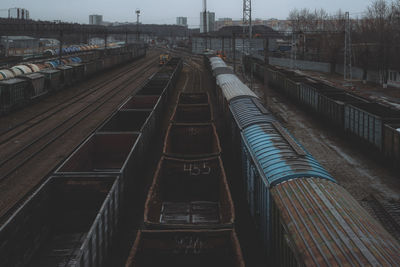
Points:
(348, 75)
(247, 23)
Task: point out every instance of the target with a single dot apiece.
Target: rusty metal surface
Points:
(200, 113)
(196, 248)
(189, 194)
(329, 228)
(195, 212)
(141, 102)
(289, 139)
(194, 98)
(126, 121)
(184, 140)
(101, 153)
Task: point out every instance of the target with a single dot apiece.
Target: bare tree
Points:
(380, 30)
(375, 41)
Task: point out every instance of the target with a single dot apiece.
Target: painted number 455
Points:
(197, 169)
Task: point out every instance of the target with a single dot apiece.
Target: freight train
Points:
(72, 219)
(22, 84)
(304, 217)
(369, 123)
(189, 215)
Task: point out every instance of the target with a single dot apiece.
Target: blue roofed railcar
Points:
(244, 112)
(278, 156)
(303, 216)
(270, 157)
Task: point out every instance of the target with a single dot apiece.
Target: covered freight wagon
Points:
(78, 71)
(35, 85)
(12, 93)
(318, 223)
(67, 74)
(52, 79)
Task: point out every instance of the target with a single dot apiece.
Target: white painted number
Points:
(197, 169)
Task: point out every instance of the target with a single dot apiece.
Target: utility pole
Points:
(60, 45)
(234, 52)
(126, 36)
(137, 25)
(348, 74)
(293, 51)
(7, 46)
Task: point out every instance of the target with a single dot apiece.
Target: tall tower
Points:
(247, 23)
(205, 28)
(137, 24)
(348, 74)
(247, 17)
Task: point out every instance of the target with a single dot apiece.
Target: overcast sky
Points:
(165, 12)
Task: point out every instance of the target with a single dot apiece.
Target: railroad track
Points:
(388, 213)
(92, 102)
(196, 76)
(15, 130)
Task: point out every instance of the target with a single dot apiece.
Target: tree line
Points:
(375, 37)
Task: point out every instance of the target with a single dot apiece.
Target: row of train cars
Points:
(189, 214)
(372, 124)
(73, 218)
(26, 82)
(303, 216)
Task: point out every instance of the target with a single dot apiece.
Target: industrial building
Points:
(210, 22)
(15, 13)
(181, 21)
(95, 19)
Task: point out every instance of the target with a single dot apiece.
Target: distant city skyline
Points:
(166, 12)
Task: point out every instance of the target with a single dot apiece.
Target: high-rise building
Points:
(181, 21)
(95, 19)
(210, 22)
(18, 13)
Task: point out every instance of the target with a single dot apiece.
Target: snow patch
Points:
(387, 101)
